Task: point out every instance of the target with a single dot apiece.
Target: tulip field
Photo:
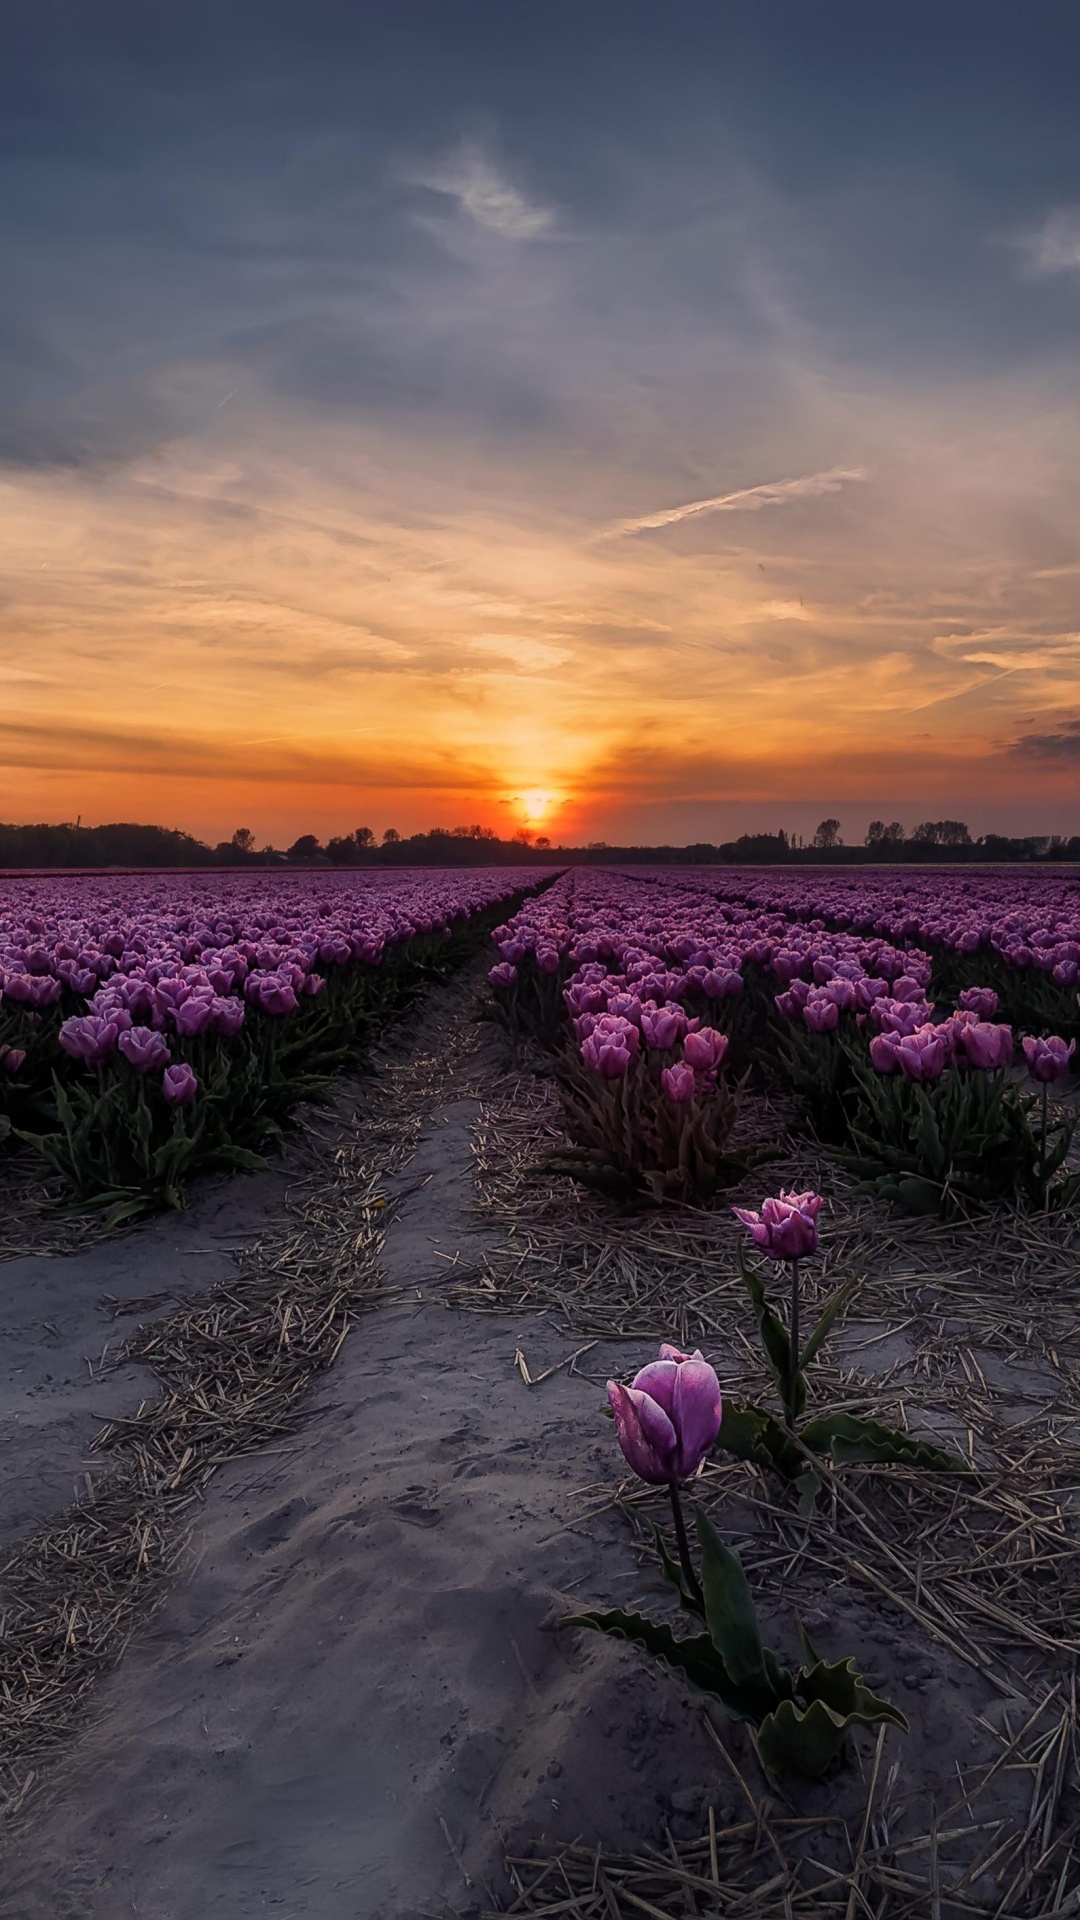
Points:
(779, 1618)
(152, 1027)
(918, 1024)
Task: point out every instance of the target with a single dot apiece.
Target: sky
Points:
(638, 423)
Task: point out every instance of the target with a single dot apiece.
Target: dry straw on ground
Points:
(966, 1332)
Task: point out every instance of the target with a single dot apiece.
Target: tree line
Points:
(125, 844)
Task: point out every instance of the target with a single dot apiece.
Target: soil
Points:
(357, 1690)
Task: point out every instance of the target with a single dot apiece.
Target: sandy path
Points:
(357, 1676)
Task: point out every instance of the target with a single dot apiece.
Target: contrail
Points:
(773, 493)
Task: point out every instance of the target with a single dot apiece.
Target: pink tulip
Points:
(1047, 1060)
(986, 1047)
(678, 1083)
(179, 1085)
(668, 1420)
(786, 1228)
(705, 1049)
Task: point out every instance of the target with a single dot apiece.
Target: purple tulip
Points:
(195, 1015)
(821, 1014)
(11, 1058)
(89, 1037)
(883, 1052)
(663, 1027)
(144, 1049)
(179, 1085)
(722, 983)
(611, 1046)
(984, 1046)
(679, 1083)
(923, 1055)
(786, 1228)
(668, 1420)
(981, 1001)
(705, 1050)
(1047, 1060)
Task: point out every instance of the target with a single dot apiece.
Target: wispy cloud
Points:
(771, 493)
(1063, 746)
(483, 193)
(1053, 247)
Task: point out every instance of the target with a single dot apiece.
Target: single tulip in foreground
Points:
(667, 1422)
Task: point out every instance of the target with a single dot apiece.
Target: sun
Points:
(536, 805)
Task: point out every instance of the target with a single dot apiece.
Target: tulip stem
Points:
(693, 1586)
(793, 1362)
(1042, 1151)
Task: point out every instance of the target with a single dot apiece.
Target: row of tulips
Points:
(150, 1027)
(672, 989)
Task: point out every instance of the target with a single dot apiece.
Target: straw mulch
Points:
(967, 1333)
(234, 1365)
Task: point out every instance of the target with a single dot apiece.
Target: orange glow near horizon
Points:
(223, 635)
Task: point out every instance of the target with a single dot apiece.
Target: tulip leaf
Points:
(851, 1441)
(730, 1613)
(696, 1658)
(673, 1572)
(775, 1340)
(750, 1433)
(824, 1326)
(839, 1687)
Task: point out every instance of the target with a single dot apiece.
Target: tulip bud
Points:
(668, 1419)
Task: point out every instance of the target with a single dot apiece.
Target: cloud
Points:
(1054, 247)
(488, 198)
(772, 493)
(1016, 652)
(1063, 746)
(786, 610)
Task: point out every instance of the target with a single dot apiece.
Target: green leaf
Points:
(852, 1441)
(824, 1326)
(732, 1617)
(840, 1688)
(242, 1157)
(774, 1337)
(696, 1658)
(750, 1433)
(672, 1571)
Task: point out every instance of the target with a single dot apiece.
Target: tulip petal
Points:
(638, 1452)
(697, 1414)
(658, 1381)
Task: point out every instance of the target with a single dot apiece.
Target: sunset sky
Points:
(646, 422)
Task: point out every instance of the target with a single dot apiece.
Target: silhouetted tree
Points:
(391, 837)
(364, 837)
(306, 848)
(880, 835)
(243, 840)
(827, 834)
